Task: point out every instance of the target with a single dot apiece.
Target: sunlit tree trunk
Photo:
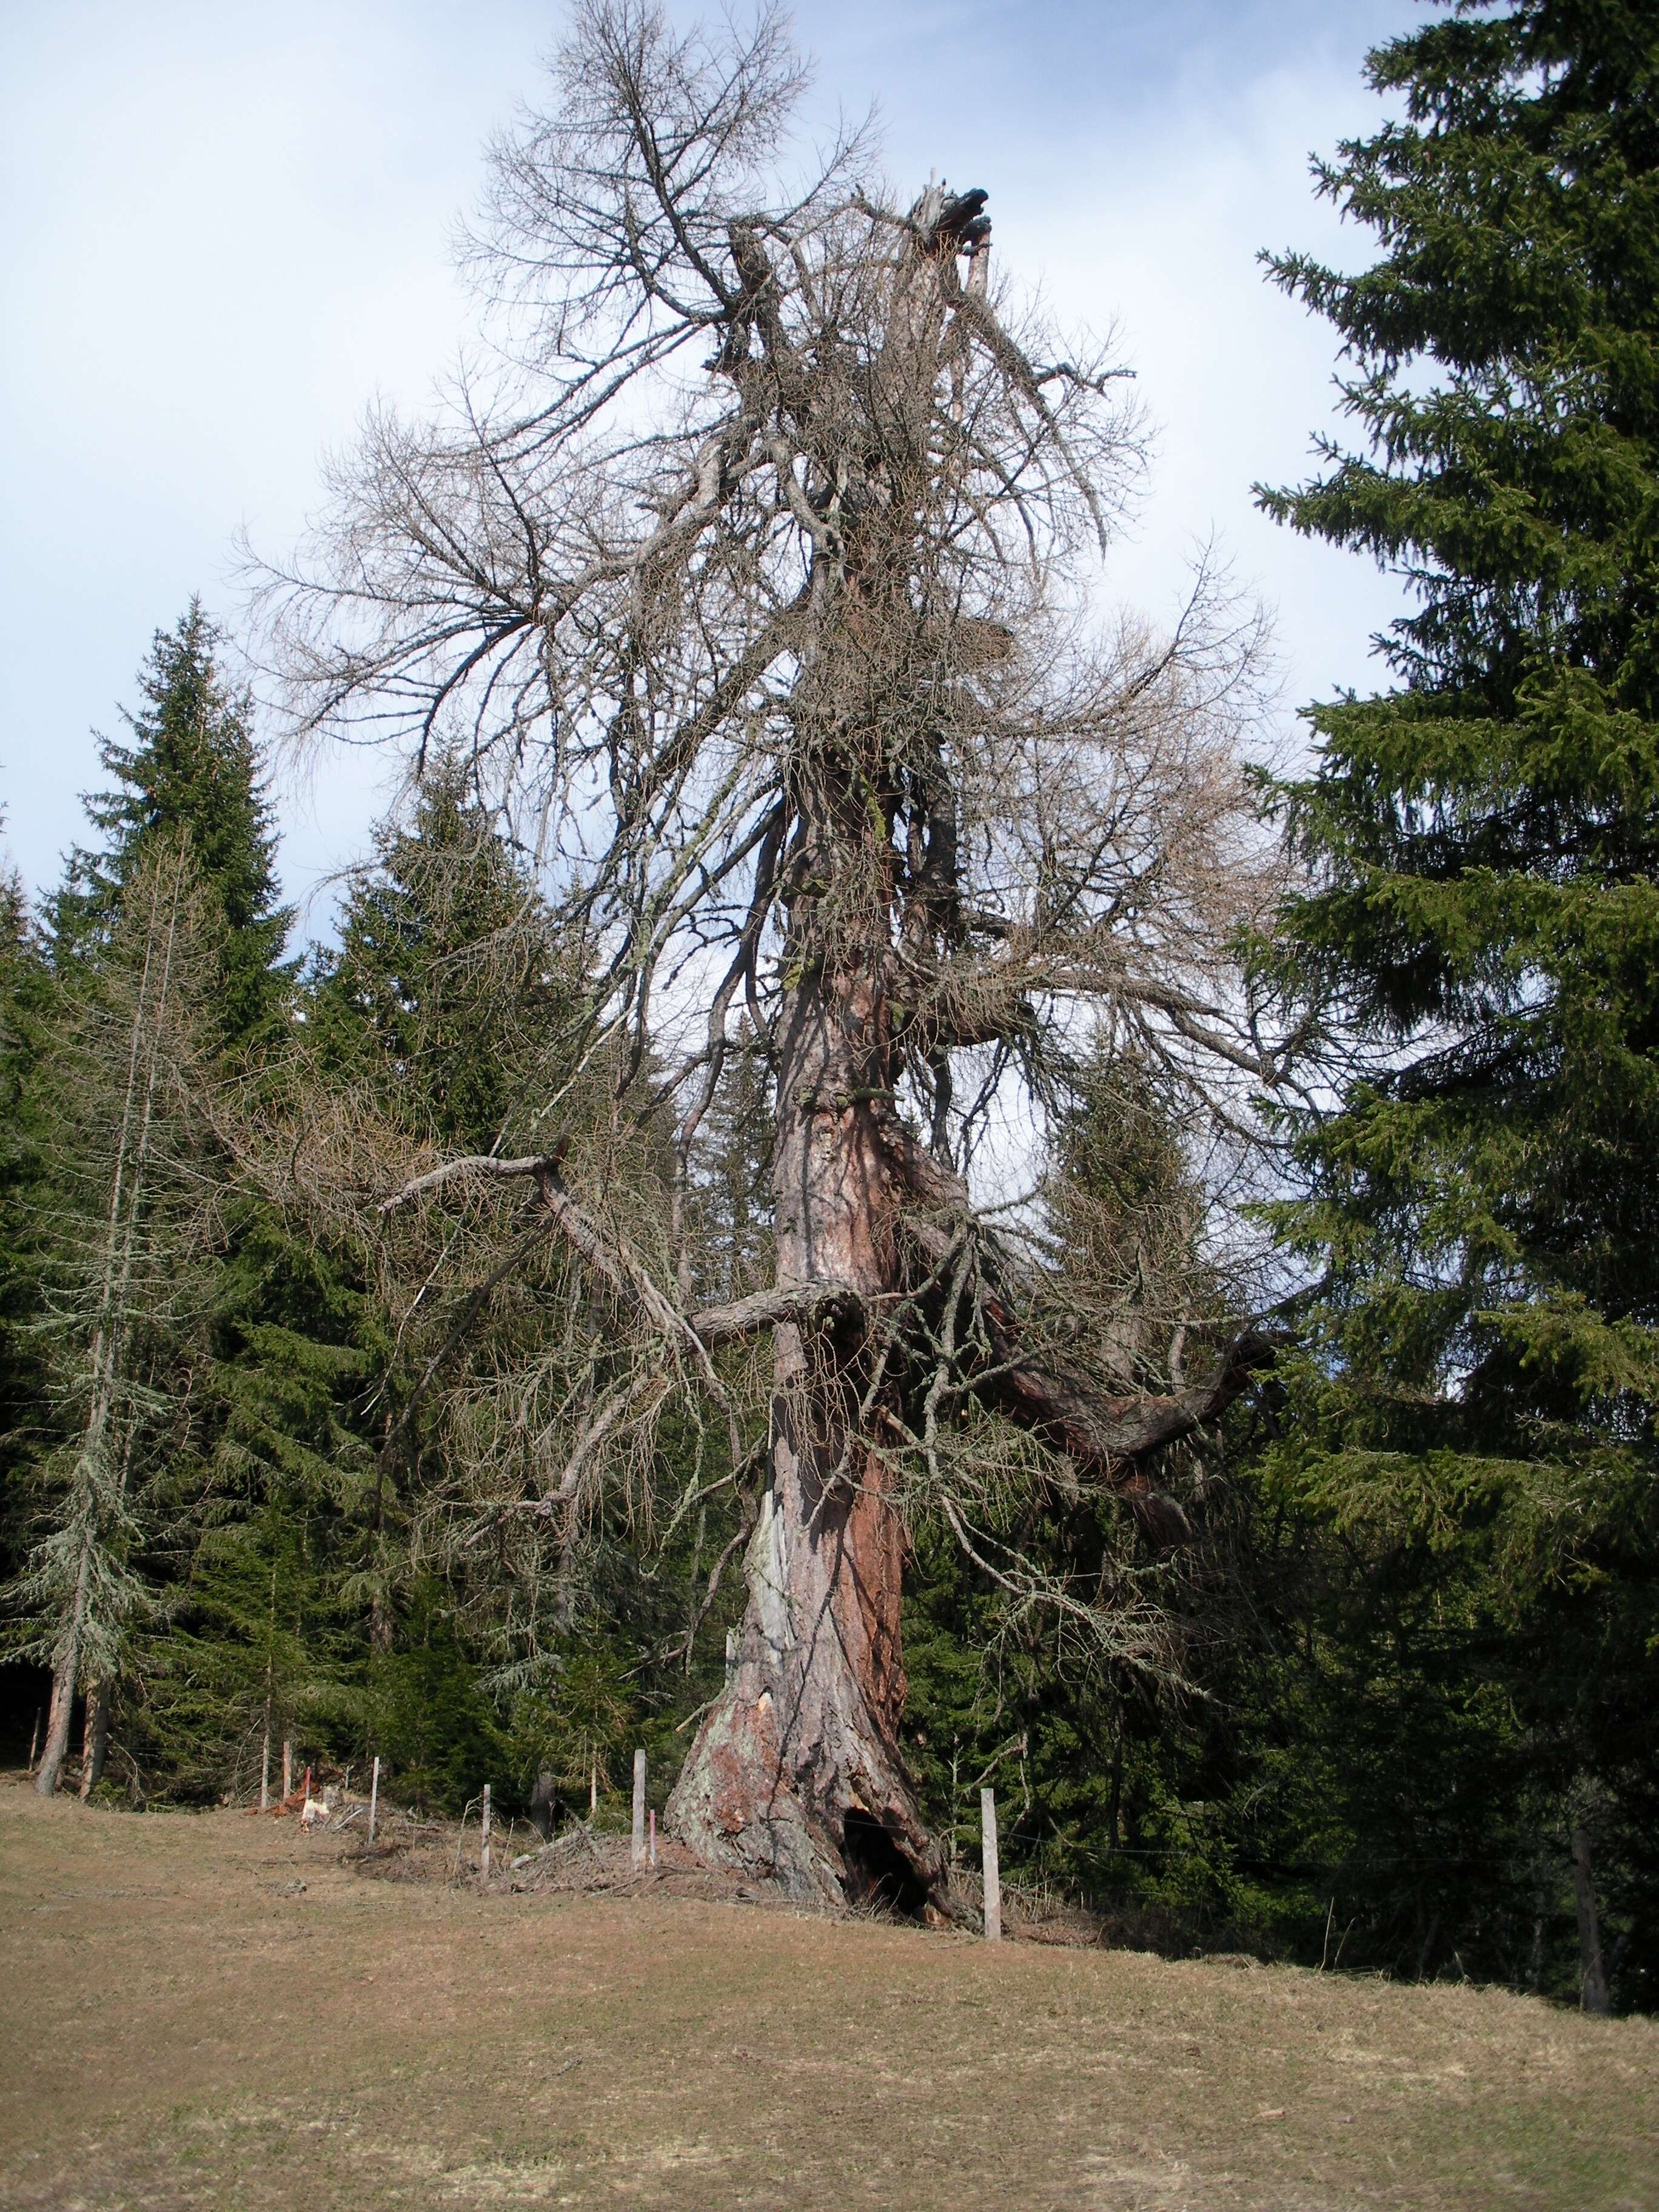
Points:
(797, 1771)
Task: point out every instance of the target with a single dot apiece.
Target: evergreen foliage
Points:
(446, 987)
(192, 764)
(126, 1220)
(377, 1429)
(1113, 1772)
(1475, 1426)
(187, 807)
(25, 1007)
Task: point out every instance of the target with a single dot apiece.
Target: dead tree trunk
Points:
(797, 1771)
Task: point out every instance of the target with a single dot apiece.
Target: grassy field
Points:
(184, 2026)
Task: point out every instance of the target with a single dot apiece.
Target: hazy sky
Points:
(225, 227)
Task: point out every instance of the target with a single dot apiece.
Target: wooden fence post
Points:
(373, 1795)
(639, 1809)
(287, 1770)
(654, 1835)
(484, 1830)
(987, 1819)
(593, 1786)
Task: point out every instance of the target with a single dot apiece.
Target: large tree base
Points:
(831, 1819)
(796, 1776)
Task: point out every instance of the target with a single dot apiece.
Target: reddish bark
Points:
(796, 1773)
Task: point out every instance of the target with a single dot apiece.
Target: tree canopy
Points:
(1477, 930)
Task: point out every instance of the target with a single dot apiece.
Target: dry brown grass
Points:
(178, 2032)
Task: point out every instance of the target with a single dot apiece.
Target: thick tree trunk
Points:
(796, 1773)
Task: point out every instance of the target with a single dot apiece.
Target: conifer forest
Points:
(889, 1178)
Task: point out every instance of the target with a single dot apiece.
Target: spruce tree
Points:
(25, 1004)
(1481, 931)
(561, 1639)
(1093, 1753)
(192, 765)
(187, 805)
(427, 1023)
(446, 986)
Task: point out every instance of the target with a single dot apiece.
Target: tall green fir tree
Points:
(446, 1015)
(1111, 1766)
(191, 761)
(164, 945)
(1475, 1420)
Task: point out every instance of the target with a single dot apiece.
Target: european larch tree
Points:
(757, 586)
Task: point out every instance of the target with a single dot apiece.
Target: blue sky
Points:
(224, 228)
